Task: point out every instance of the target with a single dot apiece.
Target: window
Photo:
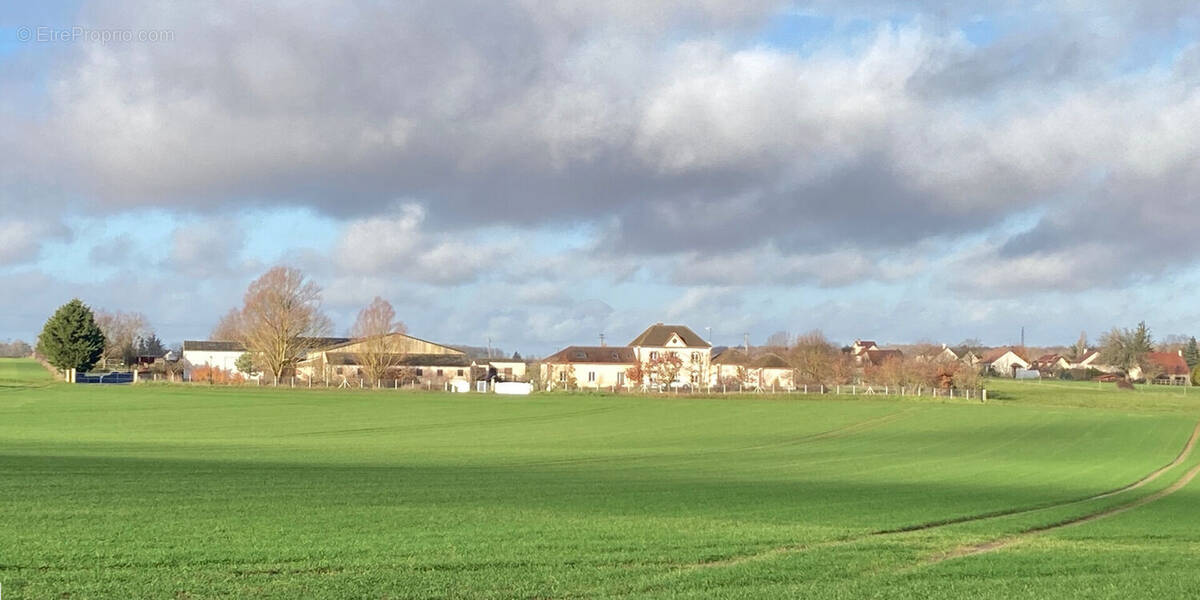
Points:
(439, 372)
(562, 375)
(591, 376)
(695, 378)
(339, 370)
(620, 378)
(420, 371)
(580, 354)
(508, 370)
(653, 355)
(695, 357)
(460, 372)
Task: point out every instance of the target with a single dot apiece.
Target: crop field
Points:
(1048, 490)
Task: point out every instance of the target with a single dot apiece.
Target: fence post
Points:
(984, 397)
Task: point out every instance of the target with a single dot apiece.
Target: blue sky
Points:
(538, 175)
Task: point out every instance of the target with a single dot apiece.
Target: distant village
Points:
(277, 337)
(675, 357)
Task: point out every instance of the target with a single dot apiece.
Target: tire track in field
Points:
(1005, 542)
(1183, 455)
(998, 544)
(1153, 475)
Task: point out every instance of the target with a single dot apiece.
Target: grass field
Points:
(197, 492)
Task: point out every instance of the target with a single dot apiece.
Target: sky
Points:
(538, 173)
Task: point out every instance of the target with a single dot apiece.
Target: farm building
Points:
(410, 358)
(224, 354)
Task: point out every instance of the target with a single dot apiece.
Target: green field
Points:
(197, 492)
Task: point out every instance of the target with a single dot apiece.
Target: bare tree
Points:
(1127, 348)
(779, 339)
(122, 331)
(281, 309)
(813, 357)
(229, 328)
(377, 350)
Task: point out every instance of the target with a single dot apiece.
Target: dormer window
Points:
(580, 354)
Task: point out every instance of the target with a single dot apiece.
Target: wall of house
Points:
(211, 358)
(696, 361)
(588, 375)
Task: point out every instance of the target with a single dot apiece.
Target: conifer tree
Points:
(71, 339)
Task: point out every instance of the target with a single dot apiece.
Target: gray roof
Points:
(659, 334)
(593, 354)
(407, 360)
(213, 346)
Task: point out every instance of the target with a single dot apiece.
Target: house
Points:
(859, 349)
(211, 353)
(733, 367)
(1004, 362)
(1087, 361)
(411, 359)
(938, 355)
(589, 367)
(1164, 367)
(1051, 362)
(678, 340)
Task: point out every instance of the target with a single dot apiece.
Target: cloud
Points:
(205, 247)
(21, 239)
(400, 245)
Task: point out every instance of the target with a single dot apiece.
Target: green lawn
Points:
(198, 492)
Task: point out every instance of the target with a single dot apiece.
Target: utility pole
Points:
(489, 347)
(746, 341)
(601, 339)
(1022, 336)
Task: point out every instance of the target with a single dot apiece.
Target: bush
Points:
(216, 376)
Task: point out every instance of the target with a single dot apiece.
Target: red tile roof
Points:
(1170, 362)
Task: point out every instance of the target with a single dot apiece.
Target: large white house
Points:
(222, 355)
(678, 340)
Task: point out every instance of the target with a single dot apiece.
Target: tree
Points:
(121, 333)
(15, 349)
(1081, 346)
(151, 346)
(245, 363)
(636, 374)
(377, 350)
(665, 367)
(71, 339)
(813, 357)
(779, 339)
(1125, 348)
(229, 327)
(1191, 353)
(281, 308)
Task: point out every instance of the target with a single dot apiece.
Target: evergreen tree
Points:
(71, 339)
(151, 346)
(1191, 353)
